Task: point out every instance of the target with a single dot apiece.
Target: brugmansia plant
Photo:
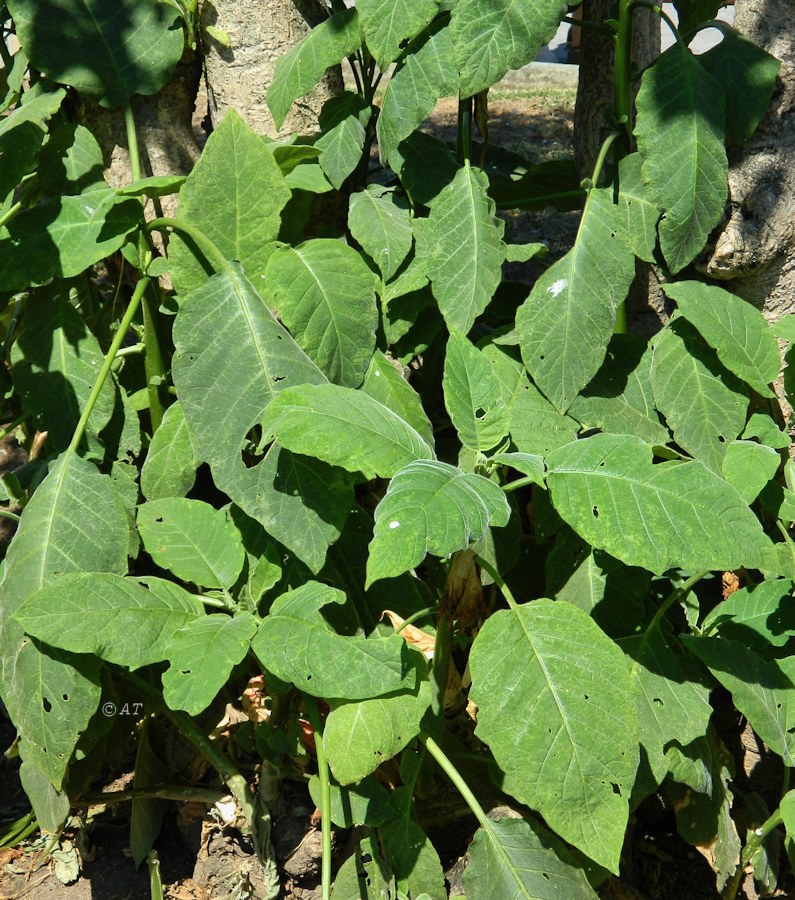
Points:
(319, 400)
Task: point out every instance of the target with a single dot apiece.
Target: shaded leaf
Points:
(757, 616)
(382, 226)
(343, 122)
(410, 854)
(366, 803)
(364, 875)
(748, 467)
(384, 383)
(425, 165)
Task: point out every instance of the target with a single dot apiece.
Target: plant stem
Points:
(600, 160)
(325, 796)
(658, 10)
(132, 143)
(116, 343)
(519, 483)
(10, 429)
(622, 76)
(589, 26)
(540, 200)
(499, 581)
(674, 596)
(458, 782)
(420, 614)
(9, 214)
(464, 129)
(7, 514)
(755, 841)
(207, 248)
(440, 670)
(185, 794)
(154, 364)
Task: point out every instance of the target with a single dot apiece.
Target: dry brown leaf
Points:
(412, 635)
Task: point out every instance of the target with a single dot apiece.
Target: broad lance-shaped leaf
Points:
(324, 293)
(384, 383)
(656, 516)
(107, 49)
(466, 248)
(411, 856)
(74, 522)
(344, 428)
(193, 540)
(492, 36)
(169, 469)
(557, 708)
(382, 226)
(640, 214)
(748, 467)
(705, 406)
(431, 507)
(757, 616)
(519, 859)
(680, 136)
(297, 645)
(738, 332)
(566, 323)
(388, 24)
(131, 625)
(234, 195)
(201, 657)
(298, 71)
(343, 123)
(302, 503)
(473, 395)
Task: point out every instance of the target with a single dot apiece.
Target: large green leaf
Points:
(299, 70)
(756, 616)
(344, 428)
(193, 540)
(234, 195)
(738, 332)
(517, 859)
(384, 383)
(657, 516)
(388, 24)
(71, 161)
(473, 395)
(343, 123)
(201, 655)
(640, 214)
(431, 507)
(56, 362)
(297, 645)
(425, 165)
(382, 226)
(705, 406)
(566, 323)
(108, 49)
(365, 803)
(492, 36)
(74, 522)
(35, 111)
(131, 625)
(680, 136)
(556, 706)
(466, 248)
(748, 467)
(324, 293)
(171, 462)
(365, 875)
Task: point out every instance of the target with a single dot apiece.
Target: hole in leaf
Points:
(479, 413)
(65, 697)
(158, 519)
(253, 446)
(308, 677)
(596, 512)
(721, 439)
(585, 697)
(46, 704)
(657, 702)
(277, 378)
(185, 672)
(616, 788)
(541, 358)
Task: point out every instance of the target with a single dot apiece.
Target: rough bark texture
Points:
(260, 31)
(755, 248)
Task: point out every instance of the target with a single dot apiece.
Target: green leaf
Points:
(756, 616)
(366, 803)
(343, 123)
(298, 71)
(171, 462)
(529, 464)
(748, 77)
(201, 657)
(762, 427)
(234, 195)
(410, 854)
(640, 214)
(325, 294)
(19, 150)
(344, 428)
(492, 36)
(705, 406)
(364, 875)
(153, 186)
(519, 859)
(657, 516)
(71, 161)
(567, 321)
(388, 24)
(50, 807)
(680, 136)
(738, 332)
(358, 737)
(298, 646)
(384, 383)
(35, 111)
(473, 395)
(748, 467)
(193, 540)
(74, 522)
(381, 224)
(130, 624)
(108, 49)
(56, 362)
(556, 707)
(425, 165)
(619, 397)
(431, 507)
(426, 73)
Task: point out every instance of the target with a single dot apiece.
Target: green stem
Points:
(116, 343)
(204, 244)
(464, 129)
(622, 75)
(519, 483)
(589, 26)
(658, 10)
(10, 429)
(154, 364)
(325, 796)
(7, 514)
(499, 581)
(458, 782)
(600, 160)
(420, 614)
(439, 674)
(132, 143)
(755, 841)
(9, 214)
(540, 199)
(675, 595)
(186, 794)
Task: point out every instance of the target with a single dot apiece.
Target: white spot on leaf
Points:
(394, 524)
(557, 286)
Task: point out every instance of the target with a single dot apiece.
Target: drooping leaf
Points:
(748, 467)
(344, 428)
(680, 130)
(234, 195)
(556, 707)
(130, 624)
(107, 49)
(193, 540)
(657, 516)
(343, 122)
(757, 616)
(50, 807)
(387, 25)
(640, 214)
(431, 507)
(171, 462)
(299, 70)
(738, 332)
(384, 383)
(382, 226)
(466, 249)
(201, 657)
(148, 813)
(325, 294)
(492, 36)
(566, 323)
(705, 406)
